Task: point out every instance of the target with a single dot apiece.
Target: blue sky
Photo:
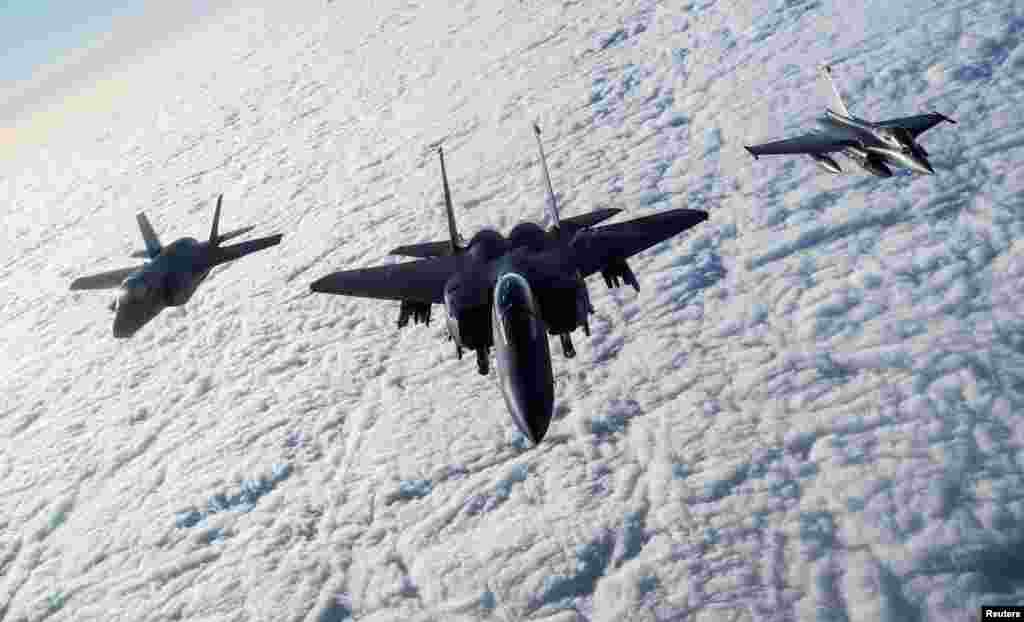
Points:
(52, 46)
(38, 32)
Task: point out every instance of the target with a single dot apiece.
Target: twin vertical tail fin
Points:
(453, 233)
(153, 246)
(222, 254)
(215, 239)
(552, 205)
(837, 98)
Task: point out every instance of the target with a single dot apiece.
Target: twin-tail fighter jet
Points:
(511, 292)
(871, 145)
(171, 276)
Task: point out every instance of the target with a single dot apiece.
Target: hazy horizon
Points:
(64, 53)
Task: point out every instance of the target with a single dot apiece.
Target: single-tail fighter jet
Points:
(171, 276)
(511, 292)
(871, 145)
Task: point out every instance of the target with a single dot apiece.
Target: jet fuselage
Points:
(536, 292)
(169, 280)
(172, 275)
(523, 356)
(512, 293)
(878, 145)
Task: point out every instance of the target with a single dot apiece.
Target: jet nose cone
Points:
(532, 416)
(923, 166)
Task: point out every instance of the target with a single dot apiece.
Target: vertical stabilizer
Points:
(837, 98)
(552, 206)
(153, 246)
(453, 233)
(214, 241)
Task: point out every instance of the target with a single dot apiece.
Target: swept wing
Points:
(105, 280)
(817, 143)
(597, 248)
(918, 124)
(416, 281)
(109, 280)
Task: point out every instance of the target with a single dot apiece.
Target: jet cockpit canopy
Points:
(515, 308)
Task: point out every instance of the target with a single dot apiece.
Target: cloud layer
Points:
(809, 411)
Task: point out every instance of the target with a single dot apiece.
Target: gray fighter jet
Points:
(871, 145)
(171, 276)
(511, 292)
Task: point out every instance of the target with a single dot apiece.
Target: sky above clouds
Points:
(53, 47)
(38, 33)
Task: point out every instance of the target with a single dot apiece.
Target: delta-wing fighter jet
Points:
(871, 145)
(511, 292)
(171, 275)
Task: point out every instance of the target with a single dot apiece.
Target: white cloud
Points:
(810, 408)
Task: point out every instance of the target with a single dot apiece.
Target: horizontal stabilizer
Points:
(424, 249)
(225, 254)
(233, 234)
(583, 221)
(111, 279)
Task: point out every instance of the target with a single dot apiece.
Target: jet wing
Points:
(808, 143)
(917, 125)
(223, 254)
(416, 281)
(596, 248)
(105, 280)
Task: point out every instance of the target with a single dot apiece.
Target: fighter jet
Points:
(871, 145)
(171, 276)
(511, 292)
